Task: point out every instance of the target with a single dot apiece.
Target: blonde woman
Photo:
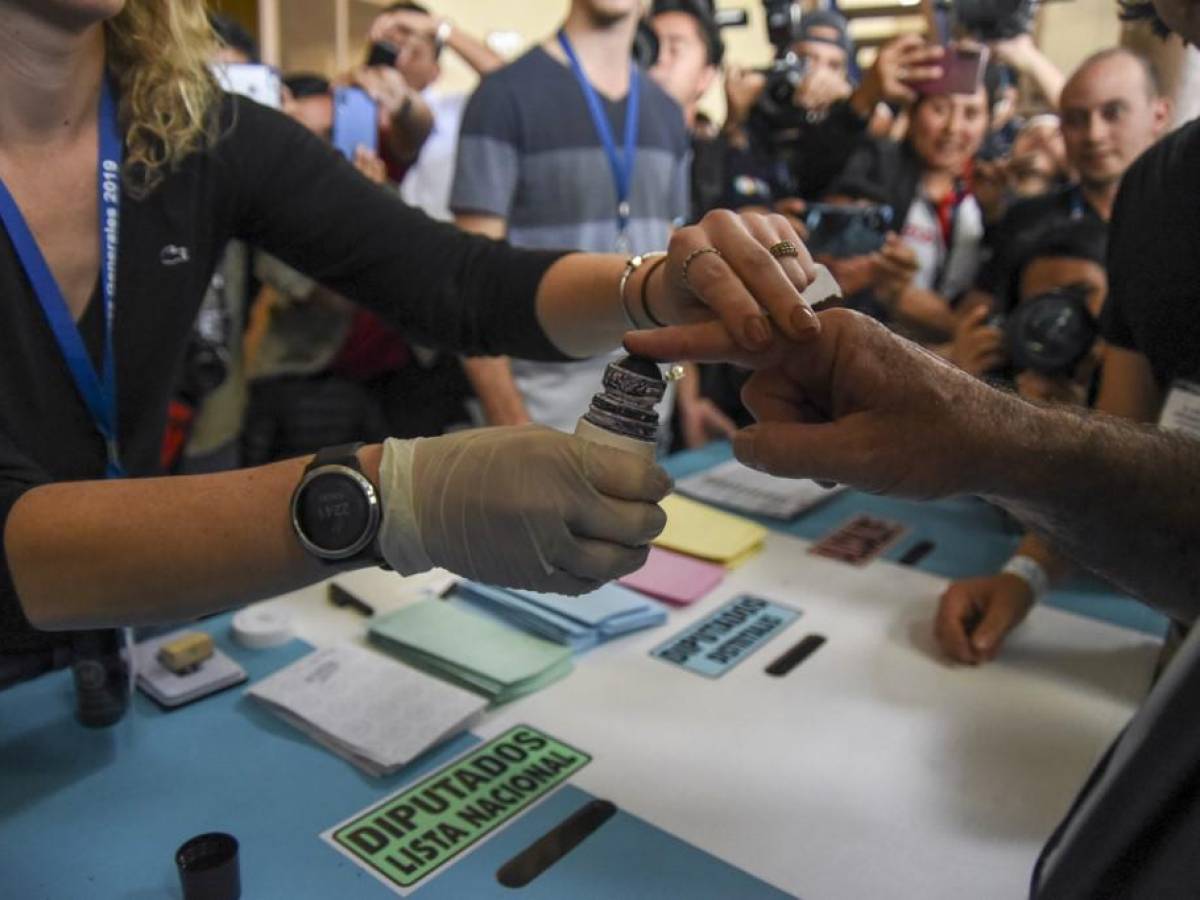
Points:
(116, 248)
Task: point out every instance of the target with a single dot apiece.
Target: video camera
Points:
(784, 18)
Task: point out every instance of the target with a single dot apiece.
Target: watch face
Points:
(334, 511)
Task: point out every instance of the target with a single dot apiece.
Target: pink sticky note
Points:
(675, 578)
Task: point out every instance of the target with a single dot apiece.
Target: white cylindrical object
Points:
(595, 434)
(256, 628)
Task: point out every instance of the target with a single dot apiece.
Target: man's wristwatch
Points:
(335, 508)
(442, 33)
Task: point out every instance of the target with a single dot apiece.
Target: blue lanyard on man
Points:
(98, 391)
(620, 164)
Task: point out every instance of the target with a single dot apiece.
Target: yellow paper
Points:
(699, 530)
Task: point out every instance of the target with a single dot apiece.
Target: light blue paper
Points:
(578, 621)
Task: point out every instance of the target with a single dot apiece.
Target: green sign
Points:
(419, 830)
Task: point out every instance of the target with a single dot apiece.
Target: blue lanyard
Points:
(98, 392)
(621, 164)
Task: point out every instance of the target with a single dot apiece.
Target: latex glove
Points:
(525, 507)
(975, 616)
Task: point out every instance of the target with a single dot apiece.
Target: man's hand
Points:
(1020, 52)
(857, 405)
(901, 63)
(989, 184)
(370, 165)
(975, 616)
(398, 26)
(743, 87)
(820, 89)
(977, 347)
(386, 87)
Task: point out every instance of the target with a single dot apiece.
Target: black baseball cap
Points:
(826, 19)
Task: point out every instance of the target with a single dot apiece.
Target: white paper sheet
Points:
(376, 713)
(746, 490)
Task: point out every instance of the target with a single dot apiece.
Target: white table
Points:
(874, 769)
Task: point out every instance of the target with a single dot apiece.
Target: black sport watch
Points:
(335, 508)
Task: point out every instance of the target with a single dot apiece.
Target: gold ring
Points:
(782, 249)
(688, 261)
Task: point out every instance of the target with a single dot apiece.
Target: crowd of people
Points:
(242, 297)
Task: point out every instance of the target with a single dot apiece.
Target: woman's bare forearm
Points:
(578, 304)
(134, 551)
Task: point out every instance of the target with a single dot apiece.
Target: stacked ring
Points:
(688, 261)
(782, 249)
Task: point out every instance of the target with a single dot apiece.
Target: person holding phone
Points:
(125, 170)
(408, 40)
(923, 180)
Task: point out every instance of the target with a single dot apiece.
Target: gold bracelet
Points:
(631, 266)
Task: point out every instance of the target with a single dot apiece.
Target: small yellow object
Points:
(676, 372)
(186, 651)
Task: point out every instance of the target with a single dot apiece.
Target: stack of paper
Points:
(675, 578)
(472, 650)
(747, 490)
(366, 708)
(580, 622)
(699, 530)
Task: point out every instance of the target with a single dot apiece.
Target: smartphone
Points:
(962, 72)
(845, 230)
(382, 54)
(261, 84)
(355, 121)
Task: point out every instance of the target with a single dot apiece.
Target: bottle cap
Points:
(208, 867)
(256, 628)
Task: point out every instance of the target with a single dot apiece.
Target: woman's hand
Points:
(723, 269)
(524, 507)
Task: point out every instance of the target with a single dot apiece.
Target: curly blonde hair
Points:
(158, 51)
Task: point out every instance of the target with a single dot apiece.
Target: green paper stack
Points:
(465, 648)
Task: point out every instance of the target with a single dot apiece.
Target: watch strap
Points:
(347, 455)
(339, 455)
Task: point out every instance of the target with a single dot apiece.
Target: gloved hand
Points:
(525, 507)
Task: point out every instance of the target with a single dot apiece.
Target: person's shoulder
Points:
(527, 69)
(244, 122)
(1168, 172)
